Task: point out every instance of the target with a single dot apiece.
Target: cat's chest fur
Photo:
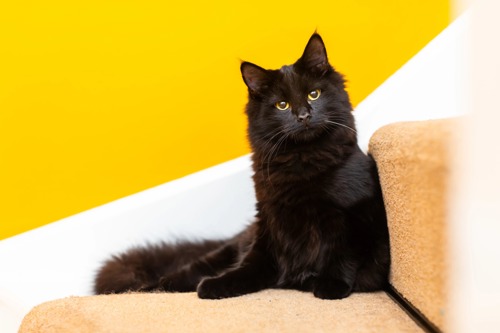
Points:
(297, 212)
(299, 223)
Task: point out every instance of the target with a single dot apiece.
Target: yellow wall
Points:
(101, 99)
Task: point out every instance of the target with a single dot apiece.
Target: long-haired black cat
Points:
(320, 223)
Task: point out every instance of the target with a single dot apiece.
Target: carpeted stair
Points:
(412, 159)
(413, 162)
(266, 311)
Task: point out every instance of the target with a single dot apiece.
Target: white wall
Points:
(475, 206)
(426, 87)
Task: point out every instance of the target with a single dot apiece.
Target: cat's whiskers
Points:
(280, 131)
(325, 127)
(267, 142)
(274, 150)
(339, 124)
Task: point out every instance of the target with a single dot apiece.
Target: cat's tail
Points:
(140, 268)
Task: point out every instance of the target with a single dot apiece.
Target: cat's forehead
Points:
(289, 79)
(288, 74)
(287, 70)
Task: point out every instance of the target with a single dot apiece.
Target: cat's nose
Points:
(304, 116)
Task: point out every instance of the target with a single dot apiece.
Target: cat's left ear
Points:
(256, 78)
(314, 57)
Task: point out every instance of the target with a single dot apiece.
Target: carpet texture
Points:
(266, 311)
(413, 164)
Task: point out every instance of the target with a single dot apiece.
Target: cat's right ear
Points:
(314, 57)
(256, 78)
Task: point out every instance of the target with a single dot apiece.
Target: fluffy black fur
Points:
(320, 223)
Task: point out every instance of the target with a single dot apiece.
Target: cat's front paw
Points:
(216, 288)
(332, 289)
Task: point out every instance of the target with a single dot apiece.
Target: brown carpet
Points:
(413, 163)
(266, 311)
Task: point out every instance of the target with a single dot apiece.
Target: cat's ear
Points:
(314, 57)
(256, 78)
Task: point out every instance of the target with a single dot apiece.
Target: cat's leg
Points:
(187, 278)
(336, 280)
(337, 266)
(373, 274)
(254, 273)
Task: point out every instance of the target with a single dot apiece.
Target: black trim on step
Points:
(412, 311)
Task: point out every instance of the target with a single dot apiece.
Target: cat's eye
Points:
(282, 105)
(314, 95)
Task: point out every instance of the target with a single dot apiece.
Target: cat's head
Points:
(300, 102)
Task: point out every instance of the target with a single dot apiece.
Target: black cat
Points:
(320, 223)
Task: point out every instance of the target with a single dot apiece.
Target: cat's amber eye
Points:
(314, 95)
(282, 105)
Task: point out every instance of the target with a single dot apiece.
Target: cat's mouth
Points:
(307, 131)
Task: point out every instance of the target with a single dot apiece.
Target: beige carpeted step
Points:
(413, 163)
(266, 311)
